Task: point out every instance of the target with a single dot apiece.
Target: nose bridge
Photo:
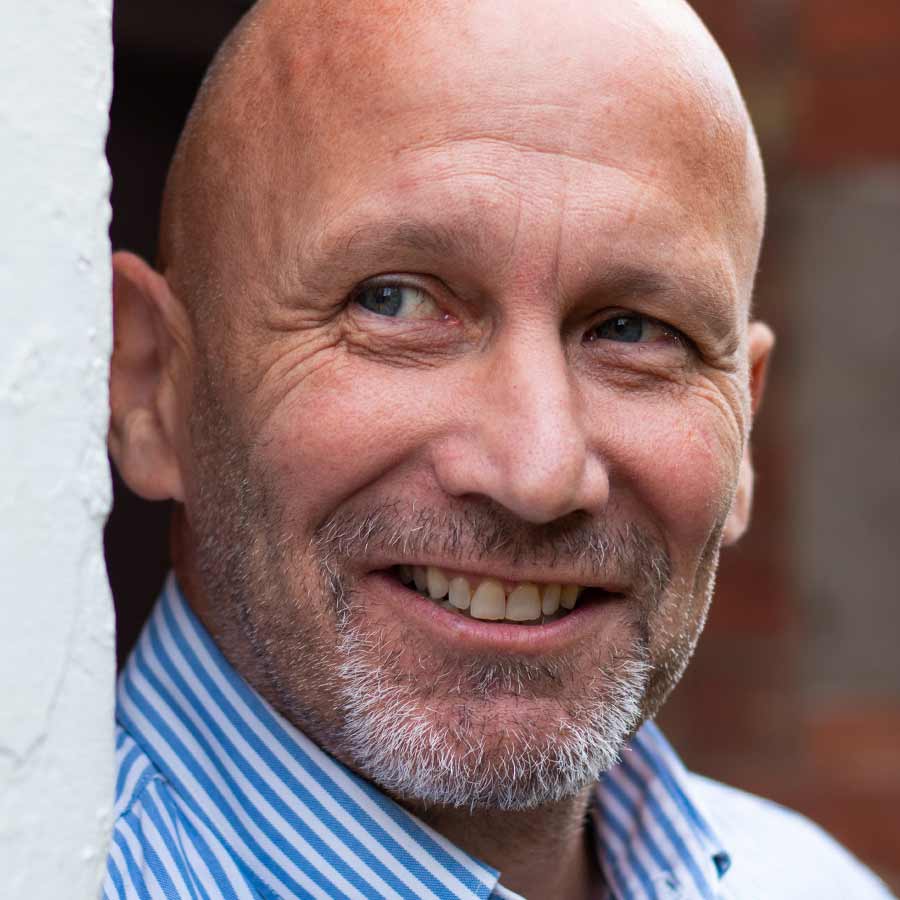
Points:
(532, 394)
(534, 440)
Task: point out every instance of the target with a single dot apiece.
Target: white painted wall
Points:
(56, 620)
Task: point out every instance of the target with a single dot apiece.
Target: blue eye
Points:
(383, 299)
(397, 301)
(630, 328)
(622, 328)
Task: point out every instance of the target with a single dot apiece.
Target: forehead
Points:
(608, 133)
(599, 79)
(504, 216)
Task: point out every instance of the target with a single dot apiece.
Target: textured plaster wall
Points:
(56, 622)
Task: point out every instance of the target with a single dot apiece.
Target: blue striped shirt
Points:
(219, 797)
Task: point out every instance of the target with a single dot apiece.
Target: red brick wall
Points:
(822, 78)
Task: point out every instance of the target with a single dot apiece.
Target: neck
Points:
(541, 854)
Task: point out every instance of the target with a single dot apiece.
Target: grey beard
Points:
(456, 757)
(450, 752)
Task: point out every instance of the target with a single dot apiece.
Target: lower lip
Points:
(587, 622)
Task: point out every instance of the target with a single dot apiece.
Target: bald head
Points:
(303, 95)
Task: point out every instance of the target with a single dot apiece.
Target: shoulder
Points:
(779, 853)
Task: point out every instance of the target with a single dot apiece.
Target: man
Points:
(450, 369)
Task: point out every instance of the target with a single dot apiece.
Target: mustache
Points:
(480, 530)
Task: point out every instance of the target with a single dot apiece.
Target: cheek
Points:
(678, 463)
(342, 430)
(681, 471)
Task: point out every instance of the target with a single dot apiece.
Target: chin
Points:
(492, 735)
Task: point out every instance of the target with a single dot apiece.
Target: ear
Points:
(150, 339)
(760, 343)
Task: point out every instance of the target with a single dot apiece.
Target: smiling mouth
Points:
(492, 600)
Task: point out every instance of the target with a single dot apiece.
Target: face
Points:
(484, 356)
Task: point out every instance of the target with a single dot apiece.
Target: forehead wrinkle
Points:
(433, 238)
(394, 239)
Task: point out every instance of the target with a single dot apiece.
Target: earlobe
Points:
(143, 398)
(760, 344)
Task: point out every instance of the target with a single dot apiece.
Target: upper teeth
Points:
(488, 598)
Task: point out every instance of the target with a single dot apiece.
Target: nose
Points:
(522, 441)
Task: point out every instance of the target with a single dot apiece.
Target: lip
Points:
(586, 622)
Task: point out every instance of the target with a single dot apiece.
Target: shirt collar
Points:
(653, 839)
(301, 823)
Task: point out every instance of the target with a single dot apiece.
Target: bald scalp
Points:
(292, 79)
(280, 54)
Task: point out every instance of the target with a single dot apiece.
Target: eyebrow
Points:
(379, 239)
